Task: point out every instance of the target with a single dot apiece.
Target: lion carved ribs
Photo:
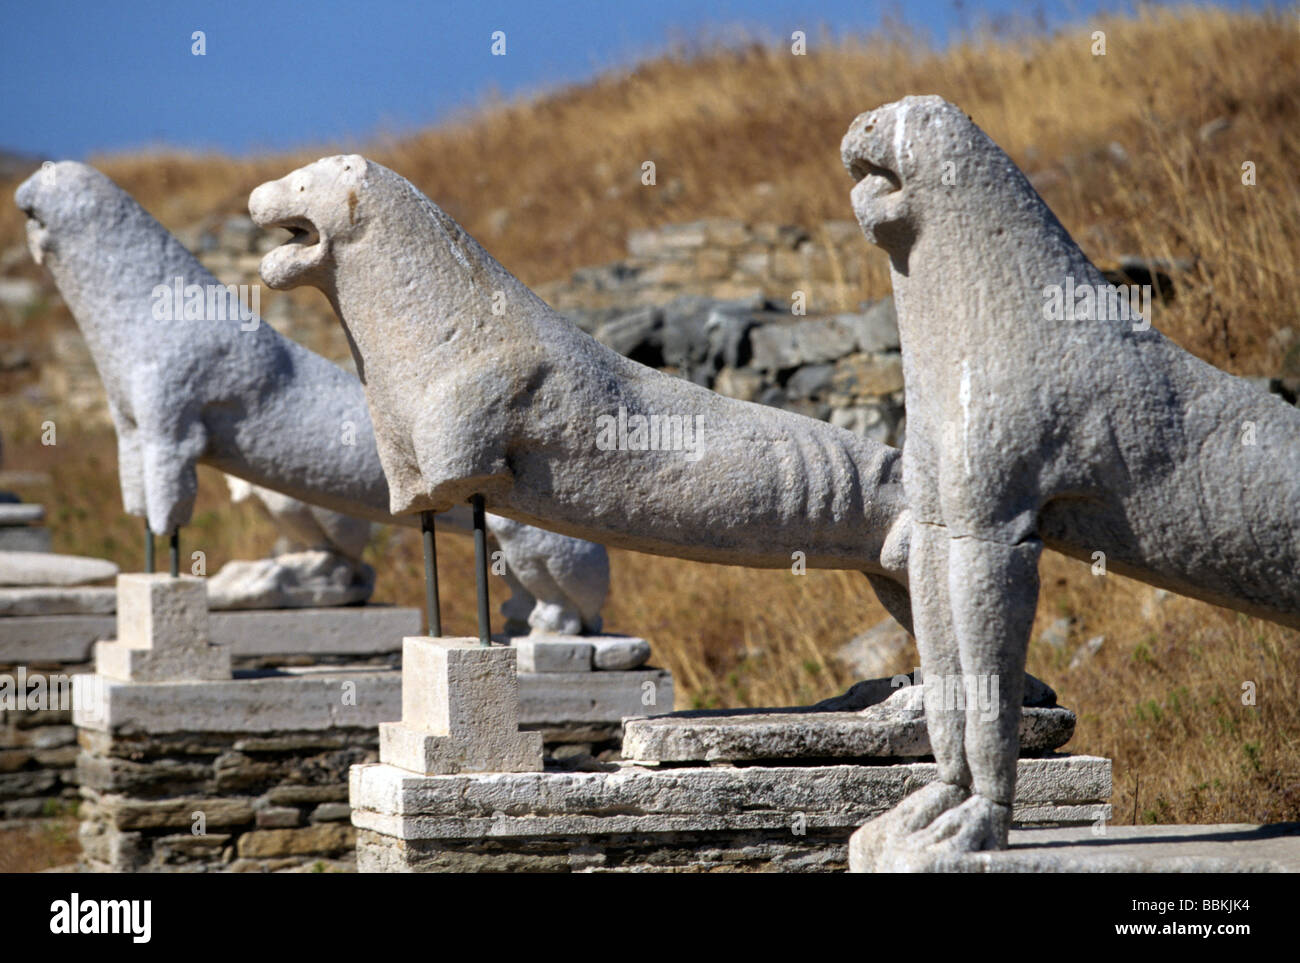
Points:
(476, 385)
(235, 394)
(1087, 433)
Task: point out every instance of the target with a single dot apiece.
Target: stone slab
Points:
(26, 539)
(53, 638)
(1223, 848)
(311, 698)
(549, 697)
(638, 800)
(883, 730)
(553, 653)
(56, 600)
(364, 630)
(359, 630)
(618, 653)
(51, 568)
(296, 699)
(20, 513)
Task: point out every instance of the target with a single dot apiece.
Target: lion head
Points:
(320, 205)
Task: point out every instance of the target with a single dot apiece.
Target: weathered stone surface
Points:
(870, 421)
(308, 841)
(260, 407)
(553, 653)
(741, 384)
(56, 638)
(592, 697)
(460, 711)
(278, 817)
(799, 816)
(44, 600)
(1039, 416)
(162, 625)
(32, 782)
(810, 381)
(308, 794)
(877, 327)
(292, 700)
(152, 814)
(330, 812)
(313, 700)
(619, 653)
(45, 568)
(17, 513)
(775, 850)
(1229, 848)
(868, 375)
(307, 579)
(892, 728)
(364, 630)
(26, 539)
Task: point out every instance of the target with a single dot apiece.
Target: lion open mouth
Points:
(300, 252)
(37, 235)
(872, 179)
(302, 232)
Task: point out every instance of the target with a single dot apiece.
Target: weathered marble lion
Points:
(1025, 429)
(238, 395)
(475, 385)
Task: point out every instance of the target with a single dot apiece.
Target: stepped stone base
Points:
(1229, 848)
(637, 818)
(264, 756)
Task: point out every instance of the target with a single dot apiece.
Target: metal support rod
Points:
(432, 613)
(174, 552)
(481, 570)
(148, 548)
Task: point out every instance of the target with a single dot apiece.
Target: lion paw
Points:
(870, 847)
(977, 824)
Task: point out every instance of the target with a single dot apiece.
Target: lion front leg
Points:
(884, 843)
(994, 592)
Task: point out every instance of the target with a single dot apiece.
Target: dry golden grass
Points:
(43, 845)
(754, 133)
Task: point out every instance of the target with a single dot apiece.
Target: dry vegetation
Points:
(754, 133)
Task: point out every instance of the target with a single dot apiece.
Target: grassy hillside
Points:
(1140, 150)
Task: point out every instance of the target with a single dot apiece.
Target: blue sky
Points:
(80, 77)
